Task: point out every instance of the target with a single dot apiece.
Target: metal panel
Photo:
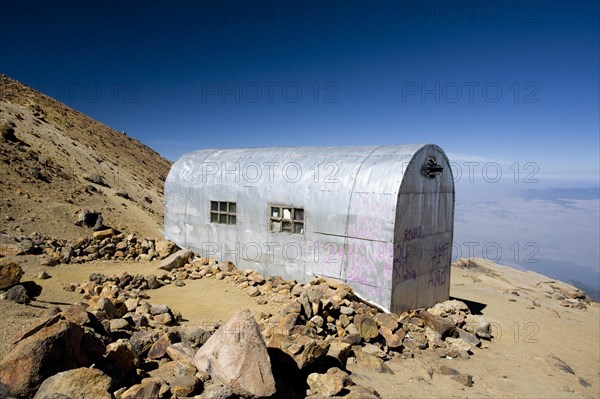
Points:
(371, 216)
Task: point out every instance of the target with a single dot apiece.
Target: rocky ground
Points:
(505, 335)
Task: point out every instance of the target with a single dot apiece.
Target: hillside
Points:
(57, 161)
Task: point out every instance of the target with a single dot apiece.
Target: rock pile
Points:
(103, 244)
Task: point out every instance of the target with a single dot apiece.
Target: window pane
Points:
(287, 226)
(298, 228)
(223, 218)
(231, 219)
(275, 212)
(275, 226)
(214, 218)
(223, 206)
(214, 206)
(298, 214)
(287, 214)
(232, 207)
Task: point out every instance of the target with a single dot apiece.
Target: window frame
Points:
(220, 212)
(287, 223)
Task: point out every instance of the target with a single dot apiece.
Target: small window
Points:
(223, 212)
(286, 219)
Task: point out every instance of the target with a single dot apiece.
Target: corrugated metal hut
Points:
(379, 218)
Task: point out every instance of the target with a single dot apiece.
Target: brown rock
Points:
(119, 325)
(176, 260)
(478, 325)
(442, 326)
(159, 348)
(366, 325)
(392, 340)
(81, 383)
(164, 248)
(302, 348)
(388, 320)
(103, 308)
(10, 274)
(76, 314)
(122, 355)
(142, 341)
(181, 353)
(236, 355)
(164, 318)
(339, 351)
(329, 384)
(149, 388)
(371, 362)
(54, 348)
(102, 234)
(184, 386)
(171, 371)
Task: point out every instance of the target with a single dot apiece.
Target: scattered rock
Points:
(43, 275)
(176, 260)
(236, 355)
(80, 383)
(10, 274)
(17, 294)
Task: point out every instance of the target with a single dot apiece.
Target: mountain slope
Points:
(57, 161)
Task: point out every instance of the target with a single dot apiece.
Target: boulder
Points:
(176, 260)
(392, 340)
(122, 357)
(149, 388)
(329, 384)
(81, 383)
(159, 348)
(303, 349)
(236, 355)
(367, 326)
(17, 294)
(51, 349)
(388, 320)
(10, 274)
(181, 377)
(372, 362)
(339, 351)
(479, 326)
(181, 352)
(76, 314)
(442, 326)
(164, 248)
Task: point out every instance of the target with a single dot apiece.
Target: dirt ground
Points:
(520, 361)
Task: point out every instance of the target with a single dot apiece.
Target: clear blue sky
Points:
(511, 81)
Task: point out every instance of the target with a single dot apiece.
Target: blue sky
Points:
(512, 82)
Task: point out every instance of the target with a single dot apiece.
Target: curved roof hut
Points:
(378, 218)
